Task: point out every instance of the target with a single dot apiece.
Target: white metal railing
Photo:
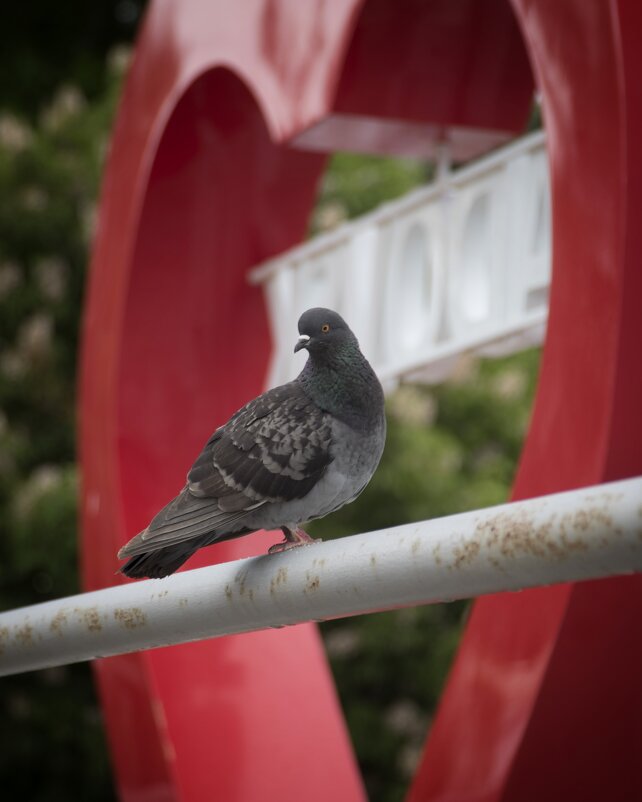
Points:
(462, 264)
(581, 534)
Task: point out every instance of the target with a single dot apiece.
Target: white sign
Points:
(461, 265)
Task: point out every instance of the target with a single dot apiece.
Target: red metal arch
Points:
(193, 346)
(542, 702)
(199, 187)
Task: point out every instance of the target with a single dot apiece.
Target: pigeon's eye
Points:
(325, 328)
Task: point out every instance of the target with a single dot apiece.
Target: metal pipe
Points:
(582, 534)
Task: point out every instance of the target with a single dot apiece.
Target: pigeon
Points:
(295, 453)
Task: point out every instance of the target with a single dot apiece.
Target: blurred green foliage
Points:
(355, 184)
(52, 744)
(450, 448)
(46, 45)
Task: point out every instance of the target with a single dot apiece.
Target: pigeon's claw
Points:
(294, 537)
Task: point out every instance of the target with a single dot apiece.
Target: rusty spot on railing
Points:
(509, 534)
(57, 622)
(130, 617)
(90, 617)
(4, 637)
(24, 635)
(240, 578)
(313, 582)
(466, 554)
(280, 578)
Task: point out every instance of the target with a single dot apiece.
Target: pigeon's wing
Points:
(273, 450)
(185, 518)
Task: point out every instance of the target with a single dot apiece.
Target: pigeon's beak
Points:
(302, 342)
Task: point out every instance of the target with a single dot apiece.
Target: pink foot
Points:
(293, 539)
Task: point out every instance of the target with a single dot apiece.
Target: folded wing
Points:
(273, 450)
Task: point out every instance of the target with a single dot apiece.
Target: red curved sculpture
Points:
(202, 183)
(542, 700)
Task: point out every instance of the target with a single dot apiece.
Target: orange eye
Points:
(325, 328)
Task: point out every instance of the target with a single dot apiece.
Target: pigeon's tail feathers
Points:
(182, 527)
(159, 563)
(164, 561)
(187, 520)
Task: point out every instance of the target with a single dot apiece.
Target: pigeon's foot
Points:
(293, 539)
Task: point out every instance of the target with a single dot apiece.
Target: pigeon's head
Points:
(322, 331)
